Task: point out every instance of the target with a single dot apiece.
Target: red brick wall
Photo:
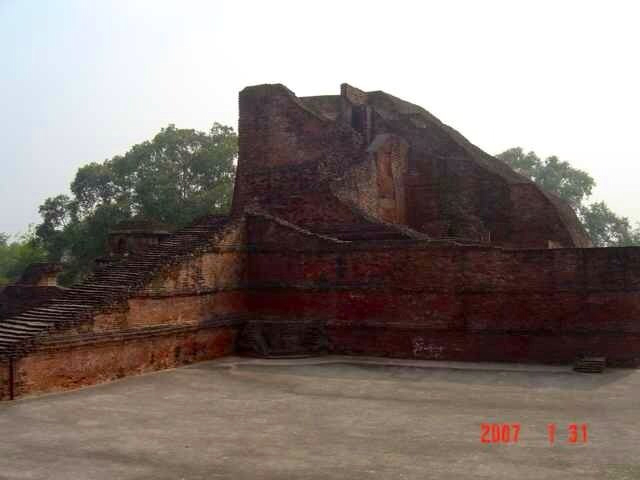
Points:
(534, 220)
(453, 196)
(330, 106)
(62, 368)
(460, 303)
(472, 201)
(141, 312)
(289, 154)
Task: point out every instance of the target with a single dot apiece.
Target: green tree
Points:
(604, 227)
(179, 175)
(17, 255)
(553, 175)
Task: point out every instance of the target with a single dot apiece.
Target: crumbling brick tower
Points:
(335, 160)
(360, 225)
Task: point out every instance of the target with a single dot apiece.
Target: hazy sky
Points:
(82, 81)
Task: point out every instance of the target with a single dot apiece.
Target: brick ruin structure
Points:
(360, 225)
(132, 237)
(36, 285)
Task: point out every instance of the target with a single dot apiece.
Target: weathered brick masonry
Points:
(360, 225)
(461, 303)
(490, 267)
(181, 301)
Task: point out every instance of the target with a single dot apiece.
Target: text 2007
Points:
(499, 432)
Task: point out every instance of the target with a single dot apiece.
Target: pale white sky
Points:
(82, 81)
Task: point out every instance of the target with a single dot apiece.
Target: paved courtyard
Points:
(328, 418)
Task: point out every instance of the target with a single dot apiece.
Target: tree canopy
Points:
(17, 255)
(605, 228)
(179, 175)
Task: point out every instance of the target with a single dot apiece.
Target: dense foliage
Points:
(179, 175)
(16, 255)
(605, 228)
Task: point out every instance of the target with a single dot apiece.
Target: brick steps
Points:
(590, 365)
(278, 338)
(4, 332)
(22, 327)
(112, 283)
(18, 324)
